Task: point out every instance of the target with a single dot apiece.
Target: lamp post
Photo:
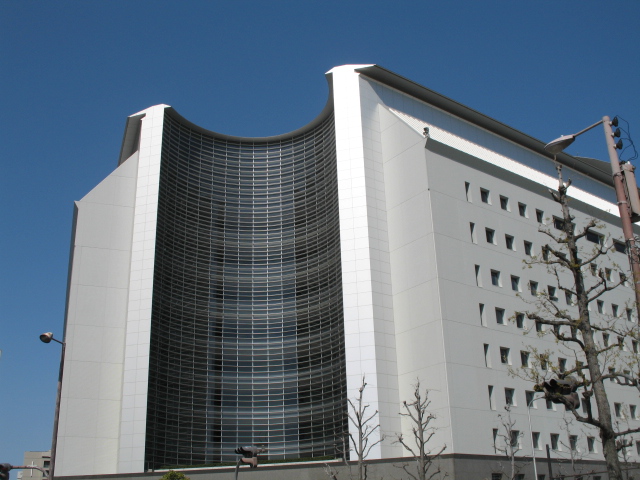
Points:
(533, 447)
(47, 338)
(627, 197)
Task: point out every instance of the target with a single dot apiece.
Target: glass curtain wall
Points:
(247, 339)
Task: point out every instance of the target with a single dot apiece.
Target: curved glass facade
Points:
(247, 335)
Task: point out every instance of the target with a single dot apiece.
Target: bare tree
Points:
(422, 430)
(567, 262)
(364, 439)
(507, 442)
(574, 455)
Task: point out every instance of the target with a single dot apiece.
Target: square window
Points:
(539, 216)
(504, 203)
(533, 288)
(594, 237)
(495, 278)
(490, 235)
(620, 247)
(484, 196)
(500, 316)
(504, 356)
(522, 209)
(520, 320)
(515, 283)
(558, 223)
(528, 248)
(509, 396)
(508, 240)
(524, 360)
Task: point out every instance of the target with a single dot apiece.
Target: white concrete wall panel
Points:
(136, 360)
(95, 326)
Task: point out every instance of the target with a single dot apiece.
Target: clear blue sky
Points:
(71, 72)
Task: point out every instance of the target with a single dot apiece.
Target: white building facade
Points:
(437, 208)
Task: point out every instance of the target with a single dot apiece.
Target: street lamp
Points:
(625, 186)
(533, 447)
(47, 338)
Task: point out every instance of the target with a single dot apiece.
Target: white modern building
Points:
(228, 290)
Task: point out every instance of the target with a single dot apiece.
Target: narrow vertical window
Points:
(573, 443)
(490, 235)
(504, 356)
(472, 230)
(539, 216)
(492, 404)
(487, 358)
(500, 316)
(515, 283)
(509, 397)
(535, 437)
(478, 277)
(528, 248)
(504, 203)
(591, 445)
(522, 209)
(555, 441)
(520, 320)
(484, 196)
(562, 364)
(467, 191)
(529, 396)
(483, 320)
(524, 359)
(508, 240)
(495, 278)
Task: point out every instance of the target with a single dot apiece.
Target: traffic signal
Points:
(561, 391)
(249, 455)
(4, 470)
